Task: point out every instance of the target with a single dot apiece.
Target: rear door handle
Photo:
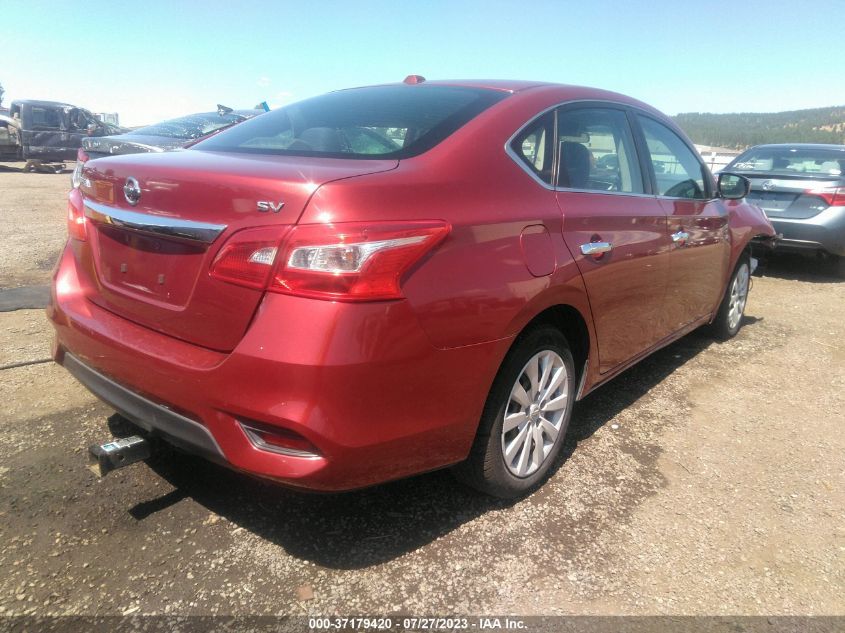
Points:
(596, 248)
(680, 237)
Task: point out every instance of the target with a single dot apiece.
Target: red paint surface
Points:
(383, 389)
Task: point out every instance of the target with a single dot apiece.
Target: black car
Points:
(48, 131)
(167, 135)
(801, 188)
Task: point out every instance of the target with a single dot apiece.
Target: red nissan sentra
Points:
(387, 280)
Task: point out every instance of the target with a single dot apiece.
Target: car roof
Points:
(39, 102)
(563, 92)
(211, 113)
(505, 85)
(246, 112)
(800, 146)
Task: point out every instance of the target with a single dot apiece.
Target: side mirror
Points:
(732, 186)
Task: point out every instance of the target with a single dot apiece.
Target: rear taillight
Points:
(76, 178)
(343, 262)
(833, 196)
(76, 224)
(354, 261)
(248, 257)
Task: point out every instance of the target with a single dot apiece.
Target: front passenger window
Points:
(677, 171)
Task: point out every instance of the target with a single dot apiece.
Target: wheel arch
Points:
(564, 304)
(573, 321)
(747, 222)
(572, 325)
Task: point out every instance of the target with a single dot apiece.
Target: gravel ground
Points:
(32, 223)
(708, 479)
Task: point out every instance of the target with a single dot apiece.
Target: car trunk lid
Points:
(150, 262)
(788, 197)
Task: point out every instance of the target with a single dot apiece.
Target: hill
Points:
(741, 130)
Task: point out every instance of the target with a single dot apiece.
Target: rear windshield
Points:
(785, 160)
(376, 122)
(191, 126)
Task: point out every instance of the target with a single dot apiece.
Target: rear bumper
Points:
(822, 232)
(361, 382)
(153, 418)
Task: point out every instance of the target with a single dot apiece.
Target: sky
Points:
(151, 60)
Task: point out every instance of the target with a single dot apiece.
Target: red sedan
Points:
(387, 280)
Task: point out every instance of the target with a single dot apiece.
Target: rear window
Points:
(785, 160)
(377, 122)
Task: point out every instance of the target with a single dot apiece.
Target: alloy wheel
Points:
(739, 295)
(534, 413)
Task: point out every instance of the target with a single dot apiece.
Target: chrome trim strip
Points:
(580, 393)
(515, 157)
(159, 225)
(259, 443)
(521, 163)
(613, 193)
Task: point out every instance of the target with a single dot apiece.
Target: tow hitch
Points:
(116, 454)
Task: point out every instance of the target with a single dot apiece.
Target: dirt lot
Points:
(707, 480)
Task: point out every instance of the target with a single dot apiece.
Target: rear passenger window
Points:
(533, 146)
(45, 118)
(596, 151)
(677, 171)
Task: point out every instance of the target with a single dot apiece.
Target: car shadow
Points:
(21, 169)
(797, 267)
(595, 409)
(367, 527)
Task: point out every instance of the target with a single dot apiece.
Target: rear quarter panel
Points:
(476, 286)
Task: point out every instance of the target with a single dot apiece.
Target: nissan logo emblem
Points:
(132, 191)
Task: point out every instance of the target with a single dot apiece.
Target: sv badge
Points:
(265, 206)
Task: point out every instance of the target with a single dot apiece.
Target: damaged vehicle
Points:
(166, 135)
(47, 131)
(160, 137)
(388, 280)
(9, 138)
(801, 188)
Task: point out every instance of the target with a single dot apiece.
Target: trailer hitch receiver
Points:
(104, 458)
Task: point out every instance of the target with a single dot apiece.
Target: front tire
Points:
(728, 319)
(525, 417)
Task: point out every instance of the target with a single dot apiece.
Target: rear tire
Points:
(839, 267)
(728, 319)
(525, 417)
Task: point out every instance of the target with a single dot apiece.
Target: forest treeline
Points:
(741, 130)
